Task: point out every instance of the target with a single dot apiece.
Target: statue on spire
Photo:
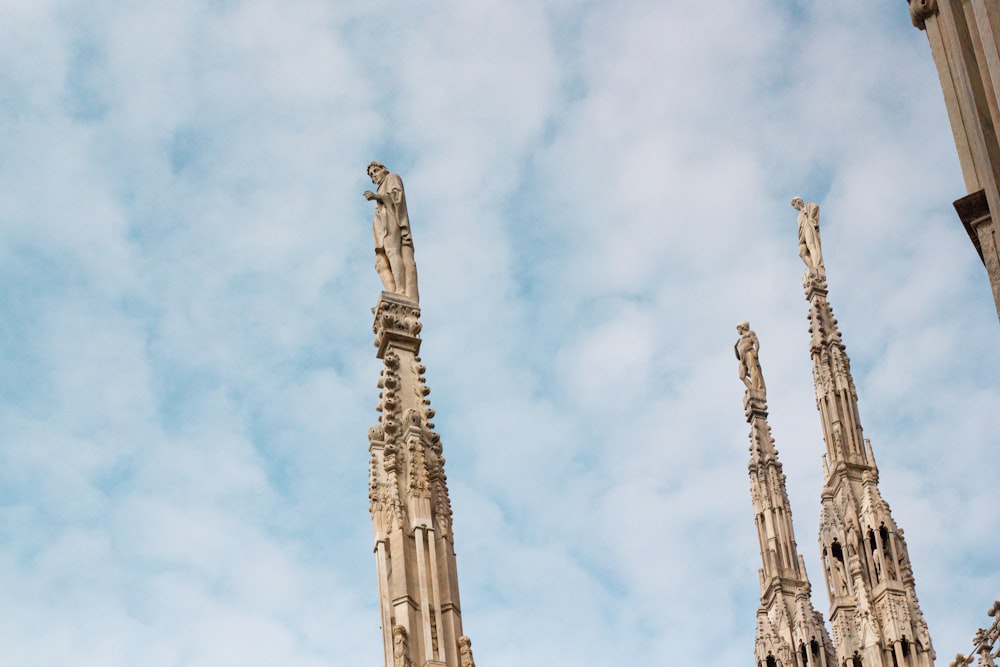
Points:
(391, 227)
(809, 245)
(747, 350)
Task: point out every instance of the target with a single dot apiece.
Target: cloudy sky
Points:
(599, 192)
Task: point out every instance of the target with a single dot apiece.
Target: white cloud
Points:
(598, 194)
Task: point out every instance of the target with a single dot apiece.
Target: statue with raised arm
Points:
(747, 349)
(391, 228)
(809, 245)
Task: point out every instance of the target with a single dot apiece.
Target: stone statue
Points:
(400, 647)
(840, 582)
(391, 228)
(465, 652)
(809, 245)
(747, 350)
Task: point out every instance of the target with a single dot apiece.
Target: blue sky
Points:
(598, 191)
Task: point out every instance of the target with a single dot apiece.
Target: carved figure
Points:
(747, 349)
(465, 652)
(809, 244)
(921, 10)
(391, 228)
(840, 575)
(400, 647)
(887, 560)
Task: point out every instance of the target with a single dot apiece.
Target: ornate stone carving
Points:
(921, 10)
(417, 471)
(392, 363)
(465, 652)
(400, 647)
(440, 502)
(374, 488)
(385, 490)
(412, 418)
(396, 320)
(387, 509)
(434, 635)
(391, 228)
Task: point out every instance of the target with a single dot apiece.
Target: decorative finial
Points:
(391, 227)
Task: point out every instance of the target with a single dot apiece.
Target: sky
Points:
(598, 193)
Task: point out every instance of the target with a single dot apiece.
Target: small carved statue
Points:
(400, 647)
(391, 227)
(841, 578)
(465, 652)
(809, 244)
(921, 10)
(747, 349)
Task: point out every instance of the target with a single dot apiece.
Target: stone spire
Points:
(874, 612)
(407, 487)
(790, 632)
(410, 507)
